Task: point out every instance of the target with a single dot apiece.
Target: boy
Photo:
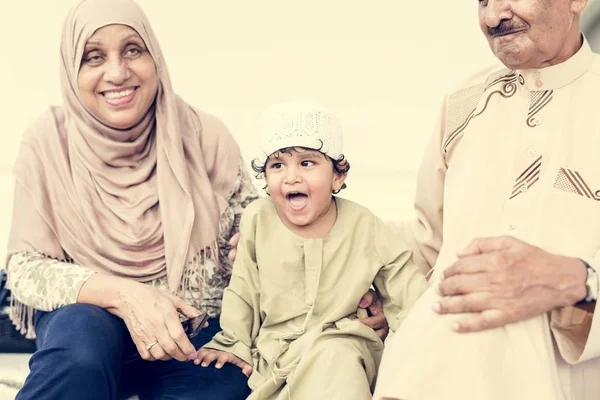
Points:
(304, 260)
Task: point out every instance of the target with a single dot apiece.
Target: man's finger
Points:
(463, 284)
(469, 265)
(485, 320)
(232, 254)
(486, 245)
(467, 303)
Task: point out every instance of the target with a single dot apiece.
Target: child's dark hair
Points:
(340, 166)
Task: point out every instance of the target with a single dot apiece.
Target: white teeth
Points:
(116, 95)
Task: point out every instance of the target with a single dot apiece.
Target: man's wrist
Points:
(591, 284)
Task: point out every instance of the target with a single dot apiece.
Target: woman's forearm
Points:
(106, 291)
(44, 283)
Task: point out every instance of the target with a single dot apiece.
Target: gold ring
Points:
(148, 347)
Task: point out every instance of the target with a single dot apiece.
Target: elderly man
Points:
(508, 206)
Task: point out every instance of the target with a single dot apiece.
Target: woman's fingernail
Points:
(192, 356)
(455, 326)
(437, 307)
(363, 303)
(218, 365)
(204, 364)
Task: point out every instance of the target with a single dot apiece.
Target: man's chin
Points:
(513, 57)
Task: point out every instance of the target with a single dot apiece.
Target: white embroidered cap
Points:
(300, 124)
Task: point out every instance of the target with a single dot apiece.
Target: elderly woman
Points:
(125, 200)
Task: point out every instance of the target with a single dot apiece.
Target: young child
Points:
(304, 260)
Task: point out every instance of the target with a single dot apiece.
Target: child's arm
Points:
(240, 315)
(400, 282)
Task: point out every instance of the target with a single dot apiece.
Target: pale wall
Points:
(383, 66)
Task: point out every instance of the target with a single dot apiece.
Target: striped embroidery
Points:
(528, 178)
(507, 89)
(539, 100)
(571, 181)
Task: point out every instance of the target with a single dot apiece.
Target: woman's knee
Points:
(86, 334)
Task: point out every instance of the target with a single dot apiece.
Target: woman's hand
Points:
(371, 302)
(150, 314)
(235, 239)
(207, 356)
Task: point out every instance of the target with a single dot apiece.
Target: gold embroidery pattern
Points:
(527, 179)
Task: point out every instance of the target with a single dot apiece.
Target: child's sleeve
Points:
(240, 315)
(400, 282)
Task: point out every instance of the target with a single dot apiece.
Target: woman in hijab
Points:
(125, 199)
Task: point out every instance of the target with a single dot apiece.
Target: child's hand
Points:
(207, 356)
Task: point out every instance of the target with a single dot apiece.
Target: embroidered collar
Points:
(559, 75)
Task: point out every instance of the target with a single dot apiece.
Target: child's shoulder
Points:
(260, 209)
(358, 213)
(260, 206)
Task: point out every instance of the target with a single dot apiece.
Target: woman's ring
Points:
(148, 347)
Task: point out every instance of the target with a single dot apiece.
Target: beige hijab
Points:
(138, 203)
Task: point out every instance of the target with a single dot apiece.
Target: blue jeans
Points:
(80, 356)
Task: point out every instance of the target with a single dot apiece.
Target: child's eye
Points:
(276, 166)
(307, 163)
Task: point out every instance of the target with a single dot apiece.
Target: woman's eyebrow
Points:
(124, 39)
(131, 36)
(93, 43)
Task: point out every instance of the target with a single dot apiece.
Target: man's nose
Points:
(497, 11)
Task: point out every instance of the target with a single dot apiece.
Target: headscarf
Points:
(138, 203)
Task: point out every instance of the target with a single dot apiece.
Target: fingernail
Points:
(192, 356)
(218, 365)
(196, 362)
(455, 326)
(204, 364)
(363, 303)
(437, 307)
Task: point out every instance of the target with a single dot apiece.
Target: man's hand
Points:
(376, 321)
(505, 280)
(207, 356)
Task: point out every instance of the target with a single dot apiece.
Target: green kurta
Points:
(290, 307)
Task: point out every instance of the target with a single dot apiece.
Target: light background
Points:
(382, 66)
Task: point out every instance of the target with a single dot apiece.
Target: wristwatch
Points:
(591, 284)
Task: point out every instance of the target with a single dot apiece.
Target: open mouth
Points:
(119, 97)
(297, 200)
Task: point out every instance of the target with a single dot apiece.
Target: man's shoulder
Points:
(595, 68)
(481, 78)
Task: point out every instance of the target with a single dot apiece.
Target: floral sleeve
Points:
(45, 283)
(243, 194)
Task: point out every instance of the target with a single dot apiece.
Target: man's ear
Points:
(577, 6)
